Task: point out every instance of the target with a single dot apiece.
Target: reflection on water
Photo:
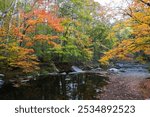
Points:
(70, 87)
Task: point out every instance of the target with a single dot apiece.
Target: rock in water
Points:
(96, 69)
(76, 69)
(113, 70)
(2, 75)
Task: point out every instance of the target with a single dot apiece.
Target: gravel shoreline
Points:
(129, 86)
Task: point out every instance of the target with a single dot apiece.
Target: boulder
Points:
(113, 70)
(2, 75)
(97, 69)
(119, 65)
(76, 69)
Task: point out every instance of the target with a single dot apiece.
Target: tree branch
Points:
(147, 3)
(7, 10)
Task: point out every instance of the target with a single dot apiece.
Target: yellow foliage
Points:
(140, 23)
(2, 32)
(18, 57)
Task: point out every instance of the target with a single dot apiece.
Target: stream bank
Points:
(124, 81)
(129, 83)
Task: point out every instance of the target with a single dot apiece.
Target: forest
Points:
(40, 37)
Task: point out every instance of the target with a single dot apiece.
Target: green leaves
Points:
(71, 33)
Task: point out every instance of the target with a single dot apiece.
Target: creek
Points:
(76, 86)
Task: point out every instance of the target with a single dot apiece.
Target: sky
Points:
(115, 6)
(103, 2)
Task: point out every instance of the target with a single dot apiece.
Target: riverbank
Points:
(130, 85)
(125, 81)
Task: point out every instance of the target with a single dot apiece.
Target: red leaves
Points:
(42, 16)
(30, 21)
(28, 32)
(46, 17)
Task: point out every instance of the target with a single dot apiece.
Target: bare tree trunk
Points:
(4, 14)
(11, 17)
(13, 13)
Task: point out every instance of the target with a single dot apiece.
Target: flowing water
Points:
(62, 87)
(133, 70)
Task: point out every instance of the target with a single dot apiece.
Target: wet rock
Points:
(119, 65)
(87, 68)
(64, 73)
(12, 80)
(2, 75)
(98, 90)
(113, 70)
(76, 69)
(30, 77)
(16, 85)
(24, 80)
(56, 74)
(74, 73)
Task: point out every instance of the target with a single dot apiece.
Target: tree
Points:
(21, 40)
(43, 32)
(139, 21)
(86, 29)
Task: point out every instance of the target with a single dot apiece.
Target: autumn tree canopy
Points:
(21, 36)
(34, 33)
(39, 33)
(138, 42)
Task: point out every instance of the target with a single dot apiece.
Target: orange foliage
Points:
(18, 52)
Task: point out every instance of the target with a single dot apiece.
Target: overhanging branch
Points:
(147, 3)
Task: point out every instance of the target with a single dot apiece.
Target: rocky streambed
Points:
(124, 81)
(128, 81)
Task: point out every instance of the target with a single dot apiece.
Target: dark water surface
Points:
(83, 86)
